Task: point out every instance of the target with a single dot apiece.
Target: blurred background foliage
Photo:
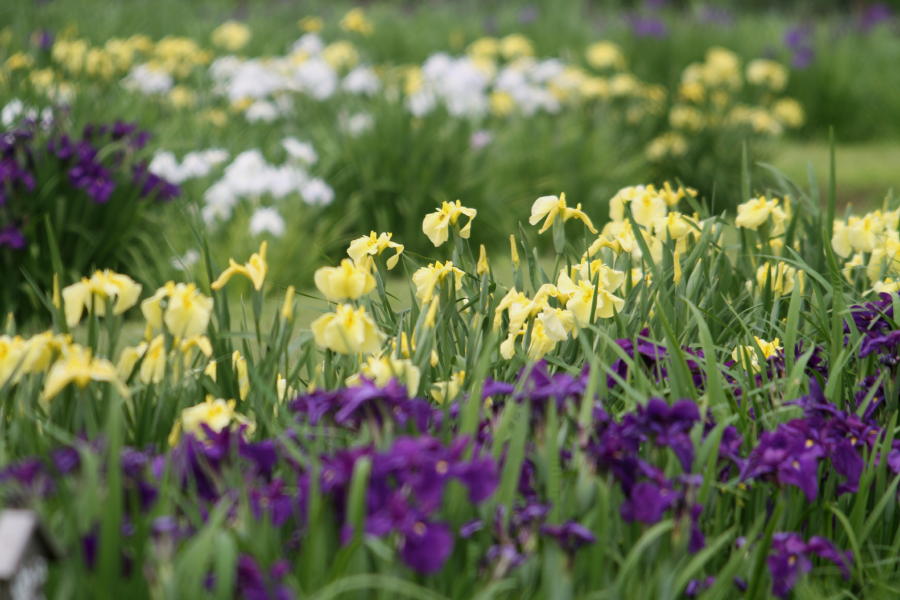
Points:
(842, 58)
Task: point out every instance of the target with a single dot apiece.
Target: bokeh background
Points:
(398, 106)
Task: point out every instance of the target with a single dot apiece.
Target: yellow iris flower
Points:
(436, 225)
(443, 391)
(483, 266)
(547, 208)
(92, 294)
(383, 369)
(348, 281)
(784, 278)
(186, 313)
(373, 245)
(254, 269)
(153, 368)
(347, 331)
(216, 414)
(747, 356)
(756, 211)
(427, 279)
(78, 366)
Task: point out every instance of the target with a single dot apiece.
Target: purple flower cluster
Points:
(791, 454)
(368, 404)
(14, 180)
(94, 175)
(881, 337)
(404, 494)
(616, 448)
(418, 460)
(514, 538)
(406, 490)
(789, 558)
(102, 160)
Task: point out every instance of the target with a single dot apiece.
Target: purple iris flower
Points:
(492, 387)
(651, 354)
(152, 185)
(571, 535)
(885, 344)
(670, 426)
(695, 586)
(122, 129)
(790, 558)
(12, 237)
(28, 473)
(788, 458)
(255, 584)
(894, 459)
(540, 386)
(873, 319)
(426, 546)
(165, 526)
(367, 403)
(263, 455)
(406, 488)
(272, 502)
(647, 503)
(13, 175)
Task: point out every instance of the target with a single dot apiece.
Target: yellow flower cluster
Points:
(558, 310)
(356, 21)
(381, 370)
(767, 73)
(708, 101)
(349, 281)
(175, 349)
(61, 361)
(651, 208)
(215, 414)
(350, 330)
(177, 56)
(605, 55)
(75, 60)
(24, 356)
(870, 240)
(511, 47)
(571, 85)
(231, 36)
